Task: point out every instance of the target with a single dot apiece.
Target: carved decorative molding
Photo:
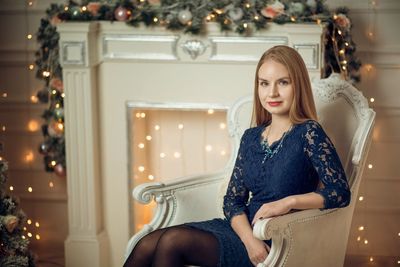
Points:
(73, 53)
(310, 54)
(194, 48)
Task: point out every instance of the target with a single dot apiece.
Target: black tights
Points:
(175, 246)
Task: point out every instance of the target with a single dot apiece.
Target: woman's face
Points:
(275, 88)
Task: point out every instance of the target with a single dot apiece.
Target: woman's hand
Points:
(274, 208)
(257, 250)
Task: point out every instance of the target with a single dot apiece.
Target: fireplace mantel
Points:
(105, 65)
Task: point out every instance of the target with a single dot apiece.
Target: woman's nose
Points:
(274, 91)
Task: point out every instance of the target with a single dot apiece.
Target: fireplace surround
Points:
(108, 65)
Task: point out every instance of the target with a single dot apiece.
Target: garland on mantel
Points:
(189, 16)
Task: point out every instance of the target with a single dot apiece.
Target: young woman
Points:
(286, 162)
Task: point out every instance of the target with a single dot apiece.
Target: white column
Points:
(87, 241)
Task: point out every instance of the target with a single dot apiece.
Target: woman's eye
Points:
(263, 83)
(284, 82)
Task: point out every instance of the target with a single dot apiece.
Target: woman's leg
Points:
(143, 253)
(183, 245)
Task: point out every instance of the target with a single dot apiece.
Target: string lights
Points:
(150, 153)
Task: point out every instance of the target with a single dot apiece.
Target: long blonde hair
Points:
(303, 105)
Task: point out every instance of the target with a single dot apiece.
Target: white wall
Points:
(22, 136)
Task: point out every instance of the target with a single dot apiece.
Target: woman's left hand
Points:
(274, 208)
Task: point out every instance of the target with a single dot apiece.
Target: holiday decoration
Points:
(121, 14)
(184, 16)
(59, 170)
(13, 244)
(190, 17)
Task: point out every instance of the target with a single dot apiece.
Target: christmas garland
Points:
(189, 16)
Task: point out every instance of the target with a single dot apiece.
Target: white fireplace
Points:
(109, 66)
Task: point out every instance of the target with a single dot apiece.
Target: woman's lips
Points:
(274, 103)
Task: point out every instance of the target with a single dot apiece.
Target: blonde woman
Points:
(287, 162)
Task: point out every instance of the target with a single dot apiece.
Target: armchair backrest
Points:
(342, 111)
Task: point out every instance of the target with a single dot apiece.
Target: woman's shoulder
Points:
(309, 125)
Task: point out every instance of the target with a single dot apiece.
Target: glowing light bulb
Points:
(155, 19)
(37, 224)
(370, 166)
(138, 115)
(4, 95)
(372, 100)
(365, 241)
(63, 95)
(256, 17)
(23, 237)
(46, 73)
(245, 25)
(346, 44)
(210, 111)
(177, 155)
(148, 138)
(51, 185)
(38, 237)
(222, 125)
(361, 228)
(30, 234)
(292, 18)
(33, 126)
(180, 126)
(29, 156)
(11, 188)
(29, 36)
(141, 145)
(84, 8)
(341, 51)
(30, 3)
(24, 228)
(3, 128)
(30, 189)
(34, 99)
(143, 115)
(54, 92)
(371, 259)
(162, 155)
(359, 238)
(53, 163)
(157, 127)
(223, 153)
(208, 148)
(248, 5)
(151, 177)
(29, 221)
(370, 34)
(141, 168)
(361, 198)
(31, 66)
(339, 32)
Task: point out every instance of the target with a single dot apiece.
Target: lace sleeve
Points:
(237, 194)
(323, 156)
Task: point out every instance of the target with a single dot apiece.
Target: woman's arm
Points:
(295, 202)
(256, 249)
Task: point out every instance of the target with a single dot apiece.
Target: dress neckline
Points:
(286, 133)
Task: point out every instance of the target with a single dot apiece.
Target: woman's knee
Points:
(174, 240)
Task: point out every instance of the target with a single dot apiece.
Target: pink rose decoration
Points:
(154, 2)
(271, 11)
(343, 22)
(93, 8)
(56, 84)
(55, 20)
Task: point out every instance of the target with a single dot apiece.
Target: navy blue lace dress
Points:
(306, 156)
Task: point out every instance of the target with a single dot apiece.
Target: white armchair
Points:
(305, 238)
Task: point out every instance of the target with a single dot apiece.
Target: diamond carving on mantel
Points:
(194, 48)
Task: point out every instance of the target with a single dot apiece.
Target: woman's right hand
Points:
(257, 250)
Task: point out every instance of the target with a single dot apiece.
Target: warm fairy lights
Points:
(361, 198)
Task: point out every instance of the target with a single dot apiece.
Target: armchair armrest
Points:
(303, 235)
(178, 200)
